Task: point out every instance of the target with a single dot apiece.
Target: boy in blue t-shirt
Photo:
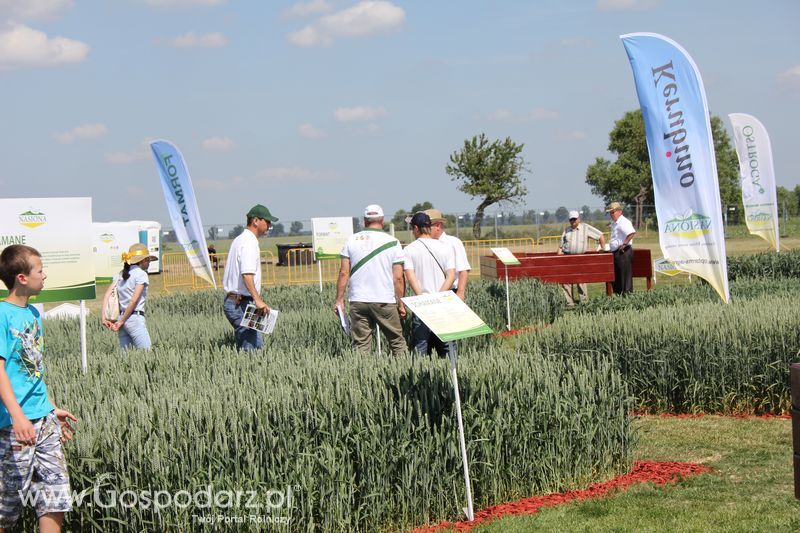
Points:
(32, 429)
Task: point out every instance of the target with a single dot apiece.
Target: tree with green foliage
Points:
(399, 217)
(491, 171)
(629, 180)
(236, 231)
(789, 200)
(562, 214)
(296, 228)
(421, 207)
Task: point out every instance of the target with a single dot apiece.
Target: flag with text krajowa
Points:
(182, 207)
(682, 159)
(759, 196)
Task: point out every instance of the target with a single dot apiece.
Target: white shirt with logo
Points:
(372, 254)
(460, 254)
(244, 257)
(619, 231)
(429, 259)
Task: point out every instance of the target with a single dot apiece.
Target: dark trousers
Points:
(424, 341)
(623, 271)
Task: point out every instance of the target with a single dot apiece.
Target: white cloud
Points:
(313, 7)
(359, 113)
(86, 132)
(309, 131)
(21, 46)
(501, 115)
(626, 5)
(790, 78)
(33, 9)
(193, 40)
(538, 114)
(183, 3)
(134, 156)
(219, 144)
(368, 17)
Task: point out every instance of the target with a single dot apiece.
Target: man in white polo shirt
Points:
(459, 252)
(242, 277)
(372, 266)
(621, 245)
(430, 268)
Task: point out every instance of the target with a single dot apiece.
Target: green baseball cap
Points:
(259, 211)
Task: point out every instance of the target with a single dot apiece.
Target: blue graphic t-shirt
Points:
(21, 353)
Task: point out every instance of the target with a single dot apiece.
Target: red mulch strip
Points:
(519, 331)
(782, 416)
(659, 473)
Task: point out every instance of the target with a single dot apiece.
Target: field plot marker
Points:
(507, 258)
(450, 319)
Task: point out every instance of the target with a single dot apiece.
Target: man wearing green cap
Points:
(242, 277)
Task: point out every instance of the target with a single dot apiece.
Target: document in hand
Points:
(343, 320)
(263, 323)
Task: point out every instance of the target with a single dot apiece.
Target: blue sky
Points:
(319, 107)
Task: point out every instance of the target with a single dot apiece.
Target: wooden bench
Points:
(591, 267)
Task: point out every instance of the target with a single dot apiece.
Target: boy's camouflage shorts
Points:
(33, 475)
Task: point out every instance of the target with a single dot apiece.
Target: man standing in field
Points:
(574, 240)
(372, 266)
(242, 277)
(430, 268)
(621, 245)
(461, 261)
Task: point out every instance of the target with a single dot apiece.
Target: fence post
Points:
(794, 378)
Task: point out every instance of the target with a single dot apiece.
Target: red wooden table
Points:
(591, 267)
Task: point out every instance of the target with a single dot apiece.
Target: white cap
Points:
(373, 211)
(574, 214)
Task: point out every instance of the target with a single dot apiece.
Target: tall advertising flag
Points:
(182, 206)
(682, 159)
(759, 195)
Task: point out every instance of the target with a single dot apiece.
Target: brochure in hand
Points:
(343, 320)
(263, 323)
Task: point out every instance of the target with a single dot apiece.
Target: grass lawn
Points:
(750, 488)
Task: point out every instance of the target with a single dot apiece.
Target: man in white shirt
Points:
(372, 265)
(621, 245)
(574, 240)
(459, 252)
(241, 278)
(430, 268)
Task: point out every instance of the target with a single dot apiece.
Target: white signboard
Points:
(330, 235)
(505, 256)
(109, 240)
(61, 229)
(447, 316)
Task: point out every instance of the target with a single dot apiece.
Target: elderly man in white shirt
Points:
(621, 245)
(574, 240)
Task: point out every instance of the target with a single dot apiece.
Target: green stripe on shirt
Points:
(370, 255)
